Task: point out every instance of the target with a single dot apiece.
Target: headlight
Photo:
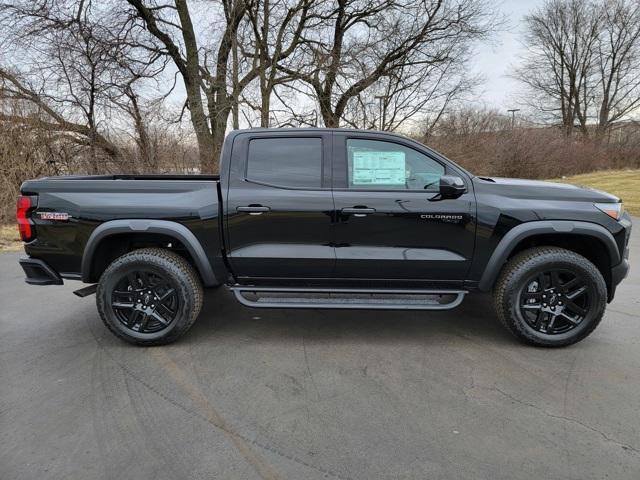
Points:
(614, 210)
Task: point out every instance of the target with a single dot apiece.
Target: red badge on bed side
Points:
(53, 215)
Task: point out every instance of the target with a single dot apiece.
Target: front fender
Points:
(528, 229)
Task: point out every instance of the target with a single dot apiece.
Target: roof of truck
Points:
(284, 130)
(315, 129)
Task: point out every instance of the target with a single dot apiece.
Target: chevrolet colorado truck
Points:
(327, 218)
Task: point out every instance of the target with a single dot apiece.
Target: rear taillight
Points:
(25, 225)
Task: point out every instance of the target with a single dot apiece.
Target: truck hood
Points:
(532, 189)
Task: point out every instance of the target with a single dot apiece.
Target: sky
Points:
(495, 60)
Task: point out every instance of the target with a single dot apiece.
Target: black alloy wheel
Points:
(555, 301)
(145, 302)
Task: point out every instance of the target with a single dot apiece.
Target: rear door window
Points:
(285, 162)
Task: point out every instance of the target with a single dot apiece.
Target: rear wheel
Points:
(149, 296)
(550, 296)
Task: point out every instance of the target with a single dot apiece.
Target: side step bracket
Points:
(86, 291)
(347, 298)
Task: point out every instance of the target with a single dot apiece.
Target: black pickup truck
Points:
(327, 218)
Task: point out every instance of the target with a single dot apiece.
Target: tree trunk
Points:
(219, 118)
(265, 90)
(202, 131)
(329, 117)
(216, 152)
(206, 152)
(191, 76)
(264, 107)
(149, 164)
(234, 75)
(603, 117)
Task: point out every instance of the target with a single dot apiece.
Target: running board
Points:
(348, 298)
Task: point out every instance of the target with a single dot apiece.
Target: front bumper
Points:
(39, 272)
(619, 273)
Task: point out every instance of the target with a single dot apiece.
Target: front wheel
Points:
(149, 296)
(550, 297)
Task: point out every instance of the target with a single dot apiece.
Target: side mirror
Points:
(451, 186)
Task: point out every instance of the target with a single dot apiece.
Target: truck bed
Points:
(88, 201)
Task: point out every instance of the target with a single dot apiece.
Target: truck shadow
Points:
(223, 316)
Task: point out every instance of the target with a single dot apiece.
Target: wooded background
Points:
(97, 86)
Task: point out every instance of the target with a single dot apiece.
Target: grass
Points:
(624, 184)
(9, 238)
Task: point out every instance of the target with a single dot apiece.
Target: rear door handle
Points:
(253, 209)
(358, 211)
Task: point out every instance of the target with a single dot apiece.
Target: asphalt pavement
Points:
(299, 394)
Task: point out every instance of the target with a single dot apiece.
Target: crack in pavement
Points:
(609, 309)
(306, 362)
(245, 438)
(223, 427)
(624, 446)
(262, 467)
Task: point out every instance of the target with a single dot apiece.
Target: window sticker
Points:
(378, 168)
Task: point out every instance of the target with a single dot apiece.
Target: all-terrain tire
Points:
(161, 263)
(517, 274)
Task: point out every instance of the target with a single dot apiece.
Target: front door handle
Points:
(253, 209)
(358, 211)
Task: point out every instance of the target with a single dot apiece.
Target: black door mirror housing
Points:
(451, 186)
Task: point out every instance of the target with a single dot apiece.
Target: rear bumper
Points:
(39, 272)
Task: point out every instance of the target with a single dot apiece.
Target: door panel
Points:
(408, 237)
(280, 231)
(383, 232)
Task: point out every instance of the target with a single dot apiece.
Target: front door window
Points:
(379, 165)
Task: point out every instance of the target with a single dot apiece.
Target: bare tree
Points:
(42, 115)
(560, 37)
(278, 27)
(211, 96)
(362, 42)
(618, 62)
(172, 28)
(468, 122)
(583, 64)
(75, 74)
(423, 92)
